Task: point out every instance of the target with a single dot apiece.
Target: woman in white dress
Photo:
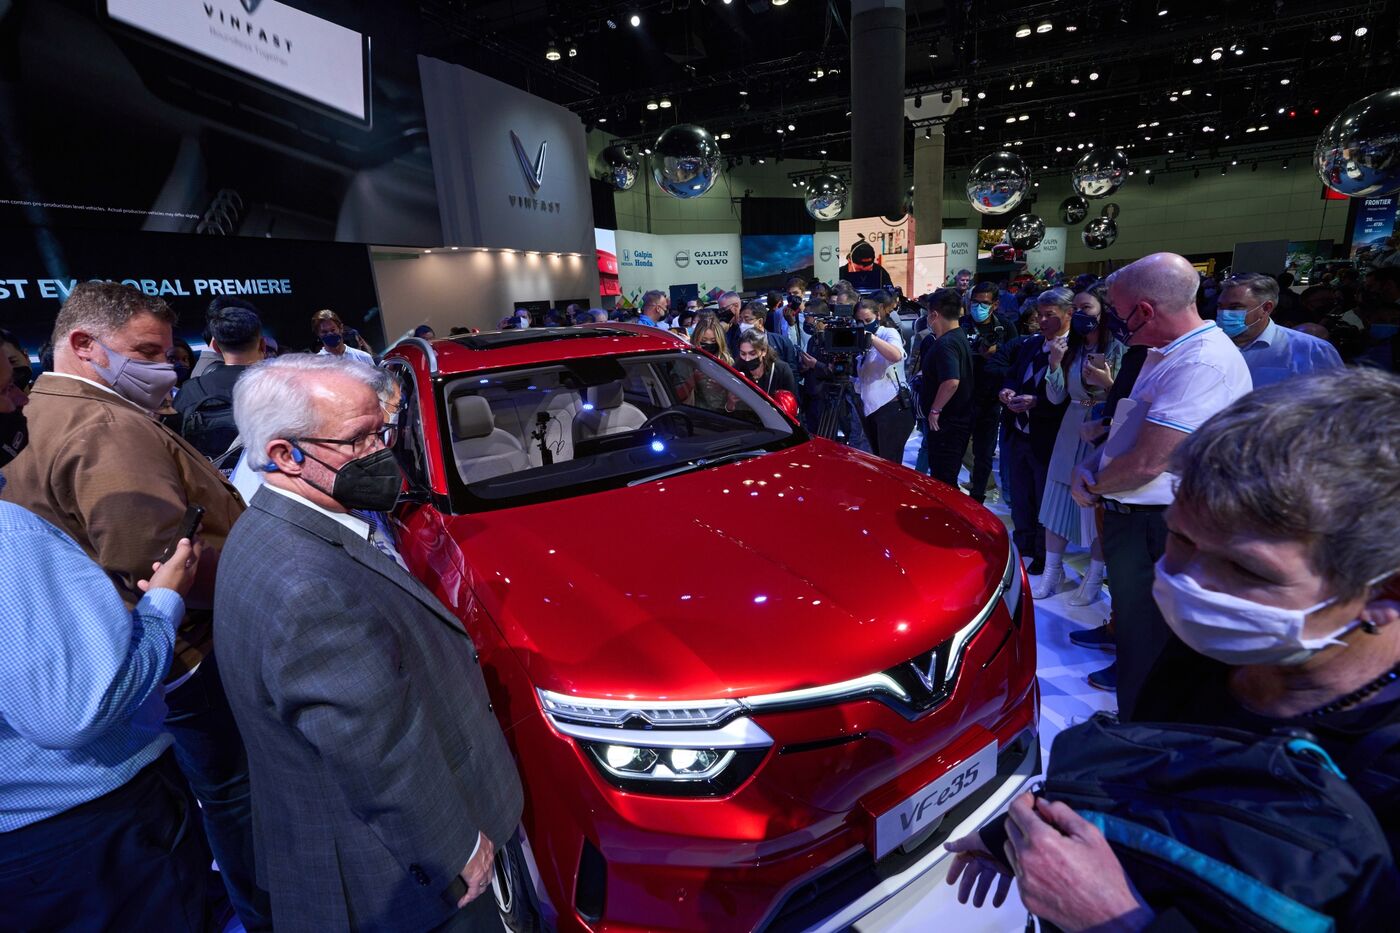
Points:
(1083, 364)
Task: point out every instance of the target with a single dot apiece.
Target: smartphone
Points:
(189, 527)
(1095, 359)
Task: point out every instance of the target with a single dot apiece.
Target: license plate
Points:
(921, 810)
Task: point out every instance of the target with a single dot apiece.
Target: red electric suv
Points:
(752, 679)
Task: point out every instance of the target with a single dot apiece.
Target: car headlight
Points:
(691, 749)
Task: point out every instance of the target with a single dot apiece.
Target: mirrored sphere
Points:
(998, 183)
(1026, 231)
(685, 161)
(1358, 155)
(1100, 173)
(825, 196)
(1110, 210)
(1074, 209)
(619, 166)
(1099, 233)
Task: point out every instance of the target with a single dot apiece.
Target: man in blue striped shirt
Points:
(97, 826)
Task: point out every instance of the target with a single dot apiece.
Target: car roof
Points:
(497, 349)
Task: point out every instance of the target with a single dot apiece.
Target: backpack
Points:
(209, 425)
(1233, 829)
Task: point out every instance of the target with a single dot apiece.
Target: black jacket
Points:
(1024, 353)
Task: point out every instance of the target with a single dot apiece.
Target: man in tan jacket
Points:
(103, 469)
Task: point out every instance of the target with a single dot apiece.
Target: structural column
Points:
(929, 144)
(877, 107)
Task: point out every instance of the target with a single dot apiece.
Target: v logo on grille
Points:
(534, 172)
(928, 677)
(251, 5)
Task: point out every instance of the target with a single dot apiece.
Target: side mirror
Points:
(787, 402)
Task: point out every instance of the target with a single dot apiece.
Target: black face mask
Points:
(23, 377)
(1083, 324)
(14, 435)
(370, 483)
(747, 367)
(710, 348)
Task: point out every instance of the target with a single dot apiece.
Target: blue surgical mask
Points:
(981, 312)
(1232, 321)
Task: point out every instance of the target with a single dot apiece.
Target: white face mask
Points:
(1239, 631)
(745, 327)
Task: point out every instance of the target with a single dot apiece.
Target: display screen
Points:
(770, 259)
(271, 41)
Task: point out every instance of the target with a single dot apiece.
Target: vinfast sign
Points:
(293, 51)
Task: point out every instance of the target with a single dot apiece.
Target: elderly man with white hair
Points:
(1245, 313)
(381, 781)
(1192, 371)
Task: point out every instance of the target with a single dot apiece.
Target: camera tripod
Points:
(836, 394)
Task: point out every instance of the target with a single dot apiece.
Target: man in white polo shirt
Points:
(1192, 371)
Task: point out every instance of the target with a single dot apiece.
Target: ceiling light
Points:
(1071, 113)
(1044, 26)
(612, 24)
(743, 92)
(780, 2)
(1173, 98)
(981, 127)
(723, 135)
(1336, 37)
(1147, 171)
(1239, 50)
(1360, 31)
(1285, 81)
(1207, 129)
(1074, 80)
(1216, 54)
(823, 152)
(1030, 83)
(1197, 60)
(1162, 9)
(1142, 126)
(652, 105)
(1186, 93)
(1224, 169)
(1264, 128)
(665, 103)
(1155, 123)
(947, 97)
(981, 95)
(1023, 31)
(1093, 76)
(1070, 27)
(551, 52)
(636, 20)
(760, 161)
(602, 119)
(1059, 148)
(1024, 117)
(1249, 129)
(791, 128)
(573, 50)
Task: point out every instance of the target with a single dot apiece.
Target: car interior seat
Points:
(606, 413)
(481, 449)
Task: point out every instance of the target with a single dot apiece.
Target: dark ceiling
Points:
(750, 69)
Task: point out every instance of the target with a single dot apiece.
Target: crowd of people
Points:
(1234, 481)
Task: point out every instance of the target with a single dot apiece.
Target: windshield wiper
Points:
(700, 463)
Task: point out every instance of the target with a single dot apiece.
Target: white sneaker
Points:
(1049, 583)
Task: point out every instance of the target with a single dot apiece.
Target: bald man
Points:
(1192, 371)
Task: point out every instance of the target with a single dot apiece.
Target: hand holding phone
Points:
(189, 527)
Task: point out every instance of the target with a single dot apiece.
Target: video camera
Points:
(841, 339)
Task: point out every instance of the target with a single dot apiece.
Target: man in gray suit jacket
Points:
(381, 781)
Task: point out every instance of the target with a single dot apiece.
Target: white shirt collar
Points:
(97, 385)
(359, 526)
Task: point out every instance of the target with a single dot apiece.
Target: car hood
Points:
(802, 567)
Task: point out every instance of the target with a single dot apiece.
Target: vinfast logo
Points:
(534, 171)
(682, 259)
(246, 27)
(928, 677)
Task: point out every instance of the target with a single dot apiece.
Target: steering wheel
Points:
(670, 413)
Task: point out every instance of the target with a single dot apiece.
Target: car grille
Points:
(847, 881)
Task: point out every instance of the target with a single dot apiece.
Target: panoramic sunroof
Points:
(517, 338)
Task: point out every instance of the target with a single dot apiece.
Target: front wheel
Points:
(514, 890)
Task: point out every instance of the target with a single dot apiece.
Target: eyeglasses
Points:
(388, 435)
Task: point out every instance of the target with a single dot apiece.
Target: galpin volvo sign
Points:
(534, 177)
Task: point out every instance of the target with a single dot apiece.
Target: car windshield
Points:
(564, 429)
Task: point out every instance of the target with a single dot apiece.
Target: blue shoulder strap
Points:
(1252, 895)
